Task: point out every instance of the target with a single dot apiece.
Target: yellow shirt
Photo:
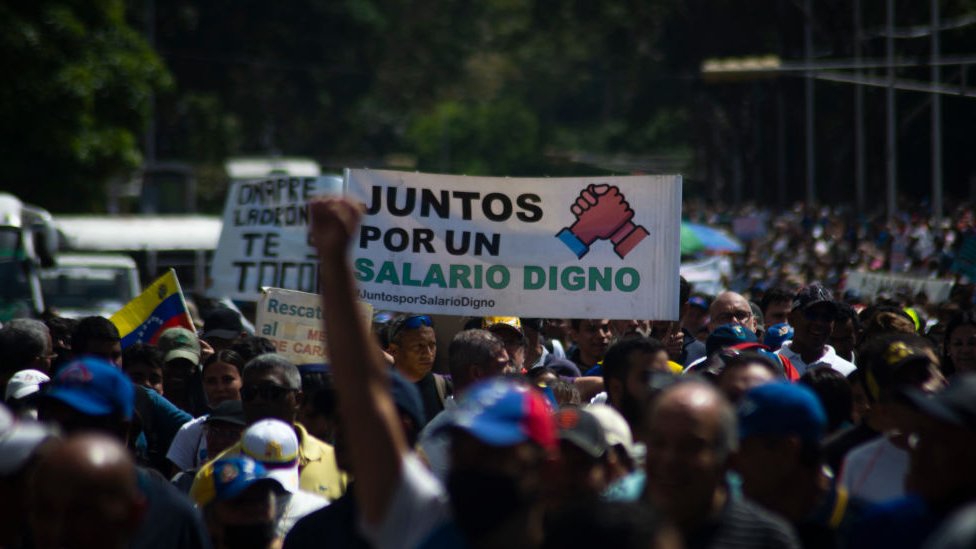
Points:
(317, 470)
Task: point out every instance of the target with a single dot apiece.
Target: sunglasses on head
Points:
(267, 391)
(412, 323)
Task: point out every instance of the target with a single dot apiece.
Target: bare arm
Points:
(588, 386)
(369, 419)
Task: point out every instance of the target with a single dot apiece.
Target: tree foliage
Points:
(78, 84)
(488, 87)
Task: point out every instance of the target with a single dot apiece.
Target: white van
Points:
(90, 284)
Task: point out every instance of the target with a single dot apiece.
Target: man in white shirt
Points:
(812, 318)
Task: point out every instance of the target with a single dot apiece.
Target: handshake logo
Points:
(602, 213)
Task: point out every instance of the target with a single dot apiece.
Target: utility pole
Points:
(891, 143)
(936, 118)
(808, 87)
(860, 168)
(150, 134)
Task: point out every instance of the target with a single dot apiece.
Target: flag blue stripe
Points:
(167, 309)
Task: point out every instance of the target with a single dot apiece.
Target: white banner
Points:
(870, 284)
(593, 247)
(708, 276)
(264, 240)
(293, 322)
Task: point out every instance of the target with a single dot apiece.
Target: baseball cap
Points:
(228, 411)
(777, 334)
(889, 368)
(581, 429)
(274, 444)
(93, 386)
(562, 367)
(222, 323)
(955, 405)
(24, 383)
(179, 343)
(616, 431)
(726, 335)
(782, 409)
(501, 412)
(232, 475)
(811, 295)
(698, 301)
(509, 323)
(19, 439)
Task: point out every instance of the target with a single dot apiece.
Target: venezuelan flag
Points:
(158, 308)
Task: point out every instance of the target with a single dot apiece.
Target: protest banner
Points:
(594, 247)
(158, 308)
(292, 320)
(264, 240)
(749, 227)
(871, 284)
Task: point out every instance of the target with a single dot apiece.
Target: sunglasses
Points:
(267, 391)
(411, 323)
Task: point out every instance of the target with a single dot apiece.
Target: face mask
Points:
(483, 501)
(249, 536)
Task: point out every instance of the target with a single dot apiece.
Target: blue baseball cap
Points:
(782, 409)
(94, 387)
(500, 412)
(231, 476)
(777, 334)
(727, 335)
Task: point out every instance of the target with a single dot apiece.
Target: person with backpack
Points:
(413, 346)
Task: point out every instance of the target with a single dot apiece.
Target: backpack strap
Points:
(444, 387)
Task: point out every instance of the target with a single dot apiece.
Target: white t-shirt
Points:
(875, 471)
(297, 505)
(419, 507)
(189, 447)
(829, 358)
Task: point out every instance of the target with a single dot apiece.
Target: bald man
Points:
(85, 495)
(84, 498)
(730, 308)
(690, 434)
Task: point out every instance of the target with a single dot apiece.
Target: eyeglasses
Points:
(267, 391)
(411, 323)
(726, 317)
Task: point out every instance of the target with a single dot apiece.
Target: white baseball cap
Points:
(615, 427)
(19, 438)
(24, 383)
(274, 444)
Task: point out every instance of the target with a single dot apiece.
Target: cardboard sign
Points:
(594, 247)
(292, 320)
(264, 240)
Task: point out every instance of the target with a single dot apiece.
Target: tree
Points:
(78, 85)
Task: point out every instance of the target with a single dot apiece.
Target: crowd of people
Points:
(792, 414)
(791, 247)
